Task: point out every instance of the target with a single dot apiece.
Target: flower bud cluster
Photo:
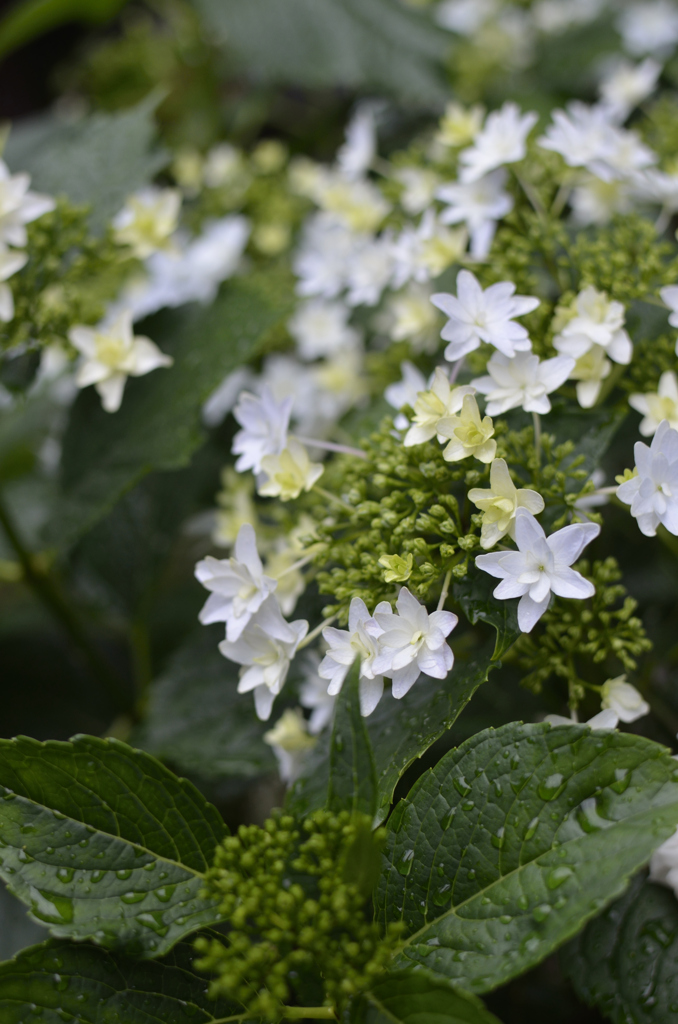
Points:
(297, 897)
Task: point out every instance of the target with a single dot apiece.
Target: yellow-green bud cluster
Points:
(297, 898)
(576, 636)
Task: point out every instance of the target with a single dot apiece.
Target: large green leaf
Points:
(198, 721)
(102, 842)
(352, 781)
(99, 160)
(400, 731)
(512, 842)
(626, 961)
(370, 45)
(158, 426)
(61, 981)
(418, 997)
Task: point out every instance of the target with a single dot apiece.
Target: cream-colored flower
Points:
(235, 507)
(659, 405)
(112, 354)
(441, 402)
(500, 502)
(590, 371)
(459, 125)
(289, 473)
(290, 741)
(147, 220)
(414, 318)
(468, 434)
(623, 699)
(397, 568)
(358, 204)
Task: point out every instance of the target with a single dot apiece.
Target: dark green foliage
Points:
(352, 782)
(418, 998)
(102, 842)
(512, 842)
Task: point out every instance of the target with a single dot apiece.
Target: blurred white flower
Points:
(423, 252)
(290, 741)
(523, 381)
(369, 271)
(502, 140)
(627, 85)
(580, 134)
(18, 206)
(653, 492)
(111, 354)
(360, 148)
(324, 256)
(659, 405)
(11, 262)
(479, 205)
(650, 26)
(321, 328)
(413, 318)
(147, 220)
(590, 370)
(419, 187)
(264, 423)
(595, 201)
(619, 696)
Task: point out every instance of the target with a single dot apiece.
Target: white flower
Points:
(369, 271)
(147, 220)
(358, 641)
(590, 370)
(476, 316)
(422, 253)
(412, 641)
(459, 125)
(501, 141)
(356, 155)
(468, 434)
(581, 134)
(478, 204)
(622, 698)
(595, 201)
(225, 166)
(111, 354)
(669, 297)
(653, 492)
(11, 261)
(627, 86)
(433, 405)
(522, 381)
(597, 321)
(623, 156)
(650, 26)
(659, 405)
(265, 649)
(321, 329)
(192, 272)
(539, 566)
(607, 719)
(664, 864)
(412, 317)
(500, 502)
(18, 206)
(355, 203)
(264, 423)
(322, 261)
(223, 398)
(238, 584)
(419, 188)
(339, 383)
(314, 696)
(289, 473)
(289, 738)
(405, 391)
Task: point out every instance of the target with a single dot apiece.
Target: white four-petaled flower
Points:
(477, 315)
(238, 584)
(540, 566)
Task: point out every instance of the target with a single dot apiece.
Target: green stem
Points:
(536, 422)
(309, 1012)
(315, 632)
(333, 497)
(45, 589)
(445, 591)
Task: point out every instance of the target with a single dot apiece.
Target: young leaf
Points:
(418, 997)
(61, 981)
(512, 842)
(98, 161)
(198, 721)
(399, 732)
(158, 426)
(626, 961)
(352, 781)
(102, 842)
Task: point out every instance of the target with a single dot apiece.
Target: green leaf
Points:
(474, 594)
(61, 981)
(99, 160)
(16, 928)
(158, 426)
(198, 721)
(399, 732)
(33, 17)
(512, 842)
(352, 781)
(376, 46)
(418, 997)
(102, 842)
(626, 960)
